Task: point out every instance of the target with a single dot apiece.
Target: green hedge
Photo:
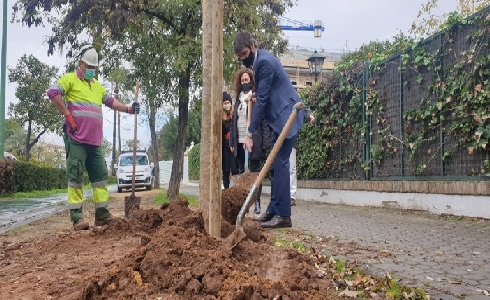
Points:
(18, 176)
(29, 177)
(194, 162)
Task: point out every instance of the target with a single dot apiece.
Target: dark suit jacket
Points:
(276, 96)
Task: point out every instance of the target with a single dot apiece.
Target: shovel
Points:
(238, 234)
(249, 116)
(133, 202)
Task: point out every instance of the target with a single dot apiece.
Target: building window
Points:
(293, 83)
(309, 83)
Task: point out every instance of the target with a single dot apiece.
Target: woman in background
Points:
(244, 85)
(228, 160)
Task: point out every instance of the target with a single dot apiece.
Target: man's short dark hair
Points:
(243, 39)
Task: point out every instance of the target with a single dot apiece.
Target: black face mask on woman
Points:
(246, 87)
(249, 61)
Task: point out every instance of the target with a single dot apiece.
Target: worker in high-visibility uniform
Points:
(83, 97)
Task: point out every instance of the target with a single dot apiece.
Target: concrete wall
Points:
(459, 198)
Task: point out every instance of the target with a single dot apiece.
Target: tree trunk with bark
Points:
(154, 144)
(28, 138)
(178, 158)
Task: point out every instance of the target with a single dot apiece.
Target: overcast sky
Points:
(348, 24)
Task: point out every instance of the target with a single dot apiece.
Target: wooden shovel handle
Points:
(249, 112)
(284, 133)
(135, 144)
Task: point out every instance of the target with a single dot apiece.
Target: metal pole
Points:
(367, 121)
(3, 80)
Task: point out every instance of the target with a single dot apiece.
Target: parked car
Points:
(144, 175)
(9, 155)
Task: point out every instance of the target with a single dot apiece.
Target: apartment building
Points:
(296, 65)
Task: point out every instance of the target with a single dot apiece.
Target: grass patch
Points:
(34, 194)
(162, 198)
(281, 242)
(286, 243)
(37, 194)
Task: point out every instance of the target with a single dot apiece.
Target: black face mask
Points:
(249, 61)
(246, 87)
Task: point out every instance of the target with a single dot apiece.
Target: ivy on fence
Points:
(417, 109)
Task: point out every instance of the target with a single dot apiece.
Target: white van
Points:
(144, 171)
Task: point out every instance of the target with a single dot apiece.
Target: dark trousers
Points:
(228, 163)
(280, 203)
(240, 158)
(256, 166)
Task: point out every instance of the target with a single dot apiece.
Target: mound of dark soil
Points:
(177, 259)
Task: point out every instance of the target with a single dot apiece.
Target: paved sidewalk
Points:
(448, 256)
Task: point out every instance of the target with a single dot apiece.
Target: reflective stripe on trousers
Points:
(77, 156)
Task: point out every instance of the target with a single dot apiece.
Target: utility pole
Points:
(3, 80)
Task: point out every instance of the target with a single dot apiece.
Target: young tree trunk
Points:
(178, 158)
(28, 139)
(204, 171)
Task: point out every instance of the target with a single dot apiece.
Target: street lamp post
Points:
(315, 62)
(3, 79)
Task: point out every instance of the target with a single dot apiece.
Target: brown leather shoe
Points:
(293, 202)
(277, 222)
(80, 225)
(264, 217)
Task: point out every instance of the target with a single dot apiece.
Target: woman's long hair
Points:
(237, 81)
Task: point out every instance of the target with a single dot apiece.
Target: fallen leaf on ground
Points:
(347, 293)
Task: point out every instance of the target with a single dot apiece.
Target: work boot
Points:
(76, 216)
(257, 207)
(103, 217)
(80, 225)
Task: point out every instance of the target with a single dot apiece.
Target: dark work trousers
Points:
(280, 203)
(240, 158)
(256, 166)
(228, 163)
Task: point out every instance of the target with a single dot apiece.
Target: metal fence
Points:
(405, 88)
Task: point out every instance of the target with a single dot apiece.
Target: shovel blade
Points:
(238, 234)
(234, 238)
(131, 203)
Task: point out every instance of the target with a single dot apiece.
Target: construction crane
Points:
(290, 24)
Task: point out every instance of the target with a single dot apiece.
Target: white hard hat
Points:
(89, 55)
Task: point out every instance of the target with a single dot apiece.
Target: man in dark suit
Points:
(275, 98)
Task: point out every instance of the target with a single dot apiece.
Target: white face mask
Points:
(227, 107)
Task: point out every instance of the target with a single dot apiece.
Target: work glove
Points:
(71, 123)
(134, 108)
